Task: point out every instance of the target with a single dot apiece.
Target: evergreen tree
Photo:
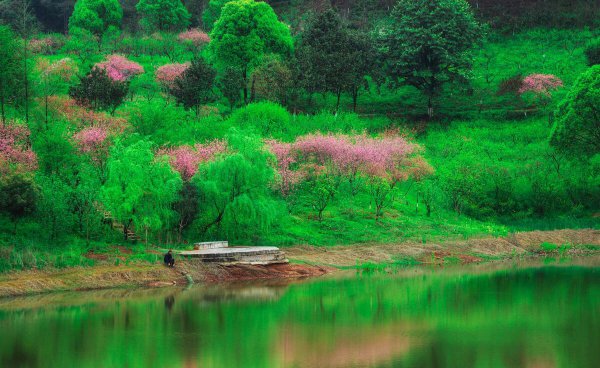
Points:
(430, 43)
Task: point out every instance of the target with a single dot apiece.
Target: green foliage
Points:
(235, 199)
(212, 13)
(592, 52)
(140, 190)
(11, 69)
(163, 15)
(96, 16)
(245, 32)
(269, 119)
(98, 91)
(430, 43)
(195, 86)
(231, 83)
(18, 196)
(332, 58)
(577, 126)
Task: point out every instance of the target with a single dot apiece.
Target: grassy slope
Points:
(350, 220)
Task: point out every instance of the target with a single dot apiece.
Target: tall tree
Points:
(212, 12)
(577, 125)
(25, 24)
(140, 191)
(333, 58)
(231, 83)
(11, 66)
(245, 32)
(195, 85)
(163, 15)
(430, 43)
(96, 16)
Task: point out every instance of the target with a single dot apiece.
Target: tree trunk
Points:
(354, 98)
(337, 105)
(245, 87)
(430, 107)
(26, 80)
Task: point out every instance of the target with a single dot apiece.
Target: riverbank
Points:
(305, 261)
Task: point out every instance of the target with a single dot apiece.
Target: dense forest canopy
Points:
(287, 122)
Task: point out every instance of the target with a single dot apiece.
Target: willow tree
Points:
(234, 191)
(140, 190)
(245, 32)
(430, 43)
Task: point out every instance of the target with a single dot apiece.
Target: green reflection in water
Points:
(517, 317)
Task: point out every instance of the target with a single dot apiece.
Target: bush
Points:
(269, 119)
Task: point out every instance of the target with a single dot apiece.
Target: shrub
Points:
(270, 119)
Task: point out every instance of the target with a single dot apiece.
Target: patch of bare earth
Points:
(466, 251)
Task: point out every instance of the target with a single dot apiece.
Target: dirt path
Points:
(306, 261)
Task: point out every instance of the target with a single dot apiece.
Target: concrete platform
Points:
(238, 255)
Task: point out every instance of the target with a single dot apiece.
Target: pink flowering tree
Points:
(119, 68)
(82, 117)
(15, 154)
(541, 86)
(286, 158)
(326, 159)
(186, 159)
(166, 74)
(195, 38)
(94, 142)
(53, 77)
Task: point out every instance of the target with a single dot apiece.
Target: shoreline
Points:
(305, 261)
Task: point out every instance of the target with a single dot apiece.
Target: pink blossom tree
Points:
(186, 159)
(285, 159)
(541, 86)
(93, 141)
(166, 74)
(15, 154)
(326, 158)
(53, 76)
(119, 68)
(194, 37)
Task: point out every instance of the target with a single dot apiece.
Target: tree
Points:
(577, 126)
(140, 190)
(10, 69)
(98, 91)
(234, 191)
(52, 77)
(18, 195)
(119, 68)
(212, 13)
(195, 85)
(230, 83)
(25, 24)
(430, 43)
(168, 73)
(96, 16)
(163, 15)
(271, 80)
(333, 58)
(245, 32)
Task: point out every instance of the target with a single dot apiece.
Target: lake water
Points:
(509, 315)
